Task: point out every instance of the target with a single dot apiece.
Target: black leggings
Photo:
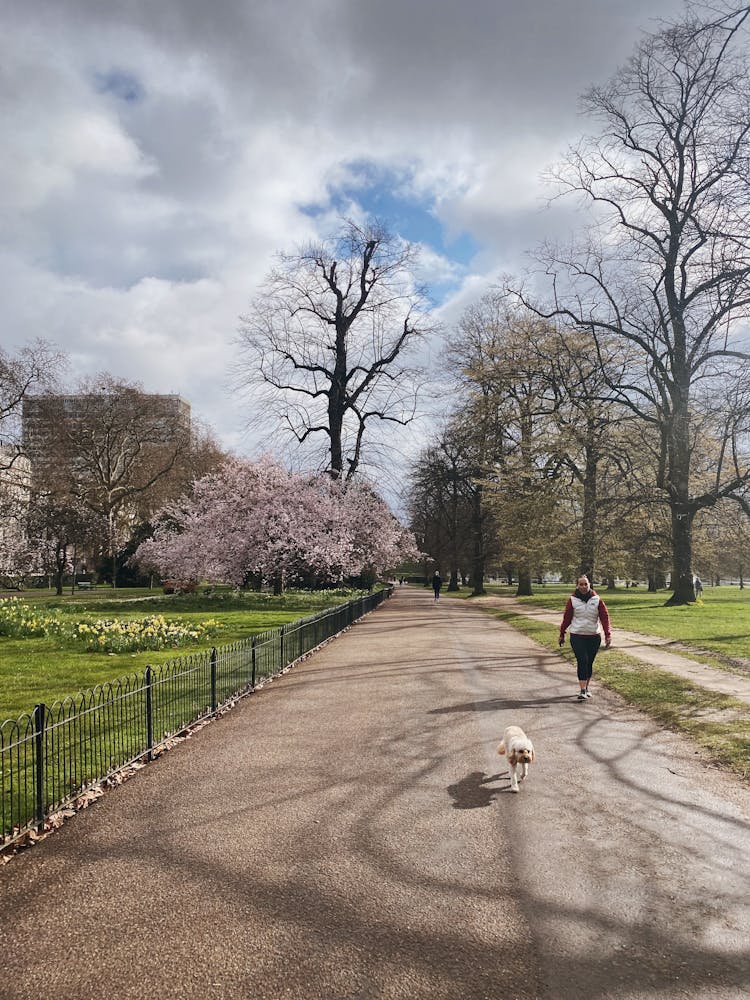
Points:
(585, 648)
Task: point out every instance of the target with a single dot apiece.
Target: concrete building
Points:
(168, 418)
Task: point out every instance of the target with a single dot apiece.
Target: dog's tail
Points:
(501, 748)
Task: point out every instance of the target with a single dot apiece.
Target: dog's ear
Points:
(532, 755)
(501, 749)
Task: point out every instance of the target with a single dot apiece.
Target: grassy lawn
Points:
(721, 624)
(40, 669)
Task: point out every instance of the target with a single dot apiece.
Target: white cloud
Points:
(157, 155)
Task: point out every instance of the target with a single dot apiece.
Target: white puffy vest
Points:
(585, 615)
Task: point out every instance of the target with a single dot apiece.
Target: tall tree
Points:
(666, 267)
(31, 369)
(513, 377)
(60, 532)
(480, 423)
(439, 500)
(326, 343)
(595, 439)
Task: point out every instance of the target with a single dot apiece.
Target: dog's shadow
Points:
(472, 792)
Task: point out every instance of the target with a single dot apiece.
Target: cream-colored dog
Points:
(519, 750)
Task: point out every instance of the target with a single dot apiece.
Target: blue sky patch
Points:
(386, 196)
(120, 84)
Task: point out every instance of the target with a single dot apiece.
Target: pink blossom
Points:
(260, 519)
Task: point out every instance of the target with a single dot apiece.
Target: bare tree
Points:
(667, 267)
(60, 531)
(325, 341)
(31, 369)
(480, 423)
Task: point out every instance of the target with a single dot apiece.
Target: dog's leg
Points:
(524, 771)
(513, 777)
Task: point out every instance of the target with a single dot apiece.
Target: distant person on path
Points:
(437, 583)
(698, 587)
(584, 612)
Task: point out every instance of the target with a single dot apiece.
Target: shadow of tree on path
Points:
(497, 704)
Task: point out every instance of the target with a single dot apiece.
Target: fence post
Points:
(252, 663)
(214, 702)
(40, 712)
(149, 714)
(281, 647)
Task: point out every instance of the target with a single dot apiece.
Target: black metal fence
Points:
(53, 755)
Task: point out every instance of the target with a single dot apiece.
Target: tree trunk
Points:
(112, 546)
(682, 548)
(337, 454)
(652, 588)
(589, 513)
(477, 526)
(61, 555)
(679, 462)
(337, 404)
(453, 582)
(524, 582)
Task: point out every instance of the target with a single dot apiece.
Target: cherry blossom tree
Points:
(260, 520)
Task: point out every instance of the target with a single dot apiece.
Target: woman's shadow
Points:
(472, 792)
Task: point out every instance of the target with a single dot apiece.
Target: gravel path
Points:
(347, 833)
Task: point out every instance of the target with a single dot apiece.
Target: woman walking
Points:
(584, 612)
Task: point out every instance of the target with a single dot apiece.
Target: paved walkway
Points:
(348, 834)
(647, 648)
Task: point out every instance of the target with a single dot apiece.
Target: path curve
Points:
(348, 832)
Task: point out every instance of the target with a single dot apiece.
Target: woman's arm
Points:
(567, 619)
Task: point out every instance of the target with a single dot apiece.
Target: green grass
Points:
(45, 669)
(716, 722)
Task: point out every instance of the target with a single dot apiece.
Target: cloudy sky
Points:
(158, 153)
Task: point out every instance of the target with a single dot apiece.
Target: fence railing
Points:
(48, 758)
